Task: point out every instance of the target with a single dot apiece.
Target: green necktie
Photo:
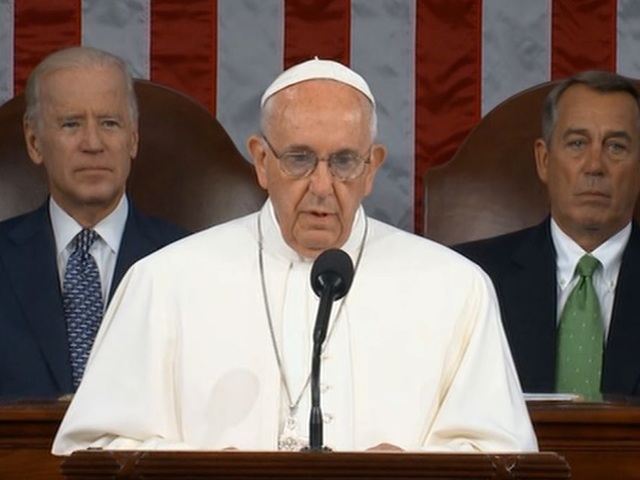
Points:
(580, 336)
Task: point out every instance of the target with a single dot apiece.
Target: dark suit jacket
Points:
(34, 357)
(523, 269)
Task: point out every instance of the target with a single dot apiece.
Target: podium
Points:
(26, 433)
(599, 441)
(230, 465)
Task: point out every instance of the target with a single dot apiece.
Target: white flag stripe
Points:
(389, 26)
(516, 51)
(246, 66)
(628, 38)
(6, 49)
(515, 54)
(122, 28)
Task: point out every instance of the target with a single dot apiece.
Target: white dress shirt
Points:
(605, 278)
(104, 250)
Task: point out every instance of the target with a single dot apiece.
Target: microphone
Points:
(331, 277)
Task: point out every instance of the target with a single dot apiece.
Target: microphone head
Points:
(334, 268)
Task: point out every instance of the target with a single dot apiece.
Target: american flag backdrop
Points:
(435, 66)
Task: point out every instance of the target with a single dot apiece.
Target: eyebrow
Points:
(608, 134)
(297, 148)
(575, 131)
(618, 134)
(73, 116)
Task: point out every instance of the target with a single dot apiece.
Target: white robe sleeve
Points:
(127, 397)
(481, 407)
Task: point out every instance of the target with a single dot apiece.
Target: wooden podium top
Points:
(575, 424)
(148, 465)
(30, 423)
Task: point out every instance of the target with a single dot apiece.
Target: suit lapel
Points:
(136, 243)
(530, 302)
(621, 369)
(33, 272)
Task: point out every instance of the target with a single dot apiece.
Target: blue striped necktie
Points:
(82, 299)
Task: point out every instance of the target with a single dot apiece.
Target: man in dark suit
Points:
(589, 159)
(81, 124)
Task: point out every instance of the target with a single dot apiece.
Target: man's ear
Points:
(255, 146)
(133, 148)
(541, 152)
(33, 142)
(378, 156)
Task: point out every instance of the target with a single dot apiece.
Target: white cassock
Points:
(185, 359)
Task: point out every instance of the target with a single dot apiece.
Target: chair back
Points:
(23, 185)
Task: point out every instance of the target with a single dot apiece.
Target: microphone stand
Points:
(319, 335)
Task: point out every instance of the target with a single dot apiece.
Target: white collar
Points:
(568, 253)
(110, 228)
(275, 244)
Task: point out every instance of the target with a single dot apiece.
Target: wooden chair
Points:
(490, 186)
(187, 171)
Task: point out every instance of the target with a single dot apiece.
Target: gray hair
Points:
(600, 81)
(71, 58)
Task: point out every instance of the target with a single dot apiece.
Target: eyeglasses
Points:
(344, 165)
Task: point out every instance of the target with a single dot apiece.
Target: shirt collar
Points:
(110, 228)
(275, 243)
(568, 253)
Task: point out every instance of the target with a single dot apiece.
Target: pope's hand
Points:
(384, 447)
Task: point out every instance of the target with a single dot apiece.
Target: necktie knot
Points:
(587, 265)
(84, 240)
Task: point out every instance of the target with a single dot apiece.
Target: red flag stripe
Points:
(183, 47)
(317, 28)
(41, 28)
(583, 36)
(448, 84)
